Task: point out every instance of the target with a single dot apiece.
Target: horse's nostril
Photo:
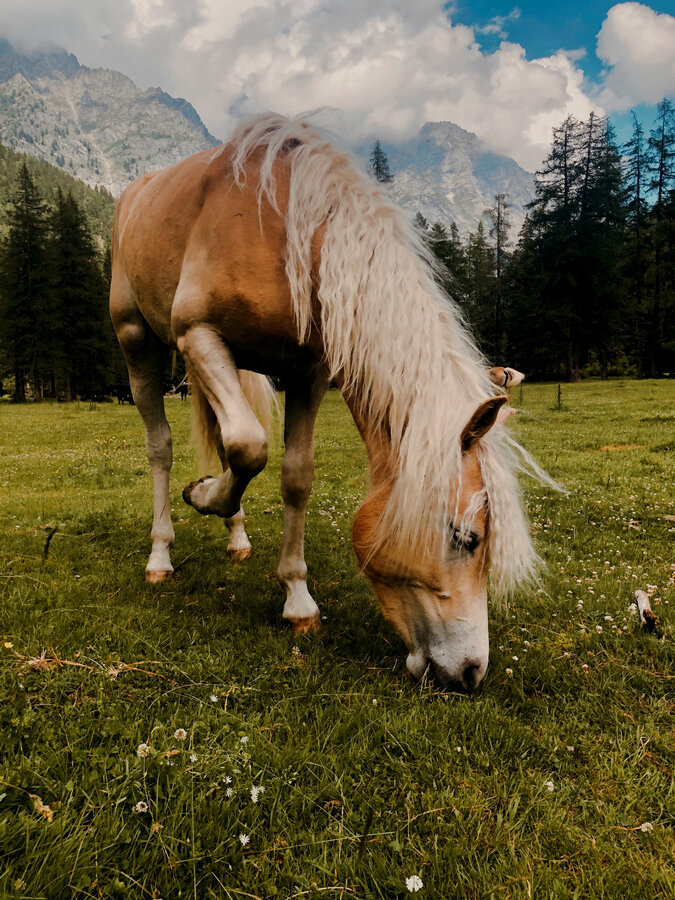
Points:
(471, 675)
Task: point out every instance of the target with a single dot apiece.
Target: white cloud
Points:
(497, 23)
(638, 45)
(387, 66)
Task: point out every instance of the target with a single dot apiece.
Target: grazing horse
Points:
(274, 254)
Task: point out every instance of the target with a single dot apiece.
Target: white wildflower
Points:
(226, 779)
(244, 740)
(193, 757)
(256, 791)
(143, 750)
(646, 826)
(141, 807)
(598, 628)
(214, 698)
(244, 839)
(414, 884)
(229, 792)
(549, 786)
(509, 672)
(180, 734)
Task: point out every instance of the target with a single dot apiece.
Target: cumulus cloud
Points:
(638, 46)
(388, 67)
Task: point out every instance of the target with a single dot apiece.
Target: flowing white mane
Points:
(400, 346)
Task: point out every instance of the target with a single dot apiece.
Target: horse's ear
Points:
(481, 422)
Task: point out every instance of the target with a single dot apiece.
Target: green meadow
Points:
(177, 740)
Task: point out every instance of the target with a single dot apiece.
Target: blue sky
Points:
(507, 72)
(543, 28)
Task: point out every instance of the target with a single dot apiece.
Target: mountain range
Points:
(98, 126)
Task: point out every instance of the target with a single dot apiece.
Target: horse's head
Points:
(439, 604)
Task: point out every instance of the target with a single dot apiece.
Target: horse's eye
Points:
(467, 540)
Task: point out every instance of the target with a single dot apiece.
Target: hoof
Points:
(154, 576)
(306, 624)
(239, 555)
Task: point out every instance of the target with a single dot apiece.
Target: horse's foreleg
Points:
(244, 441)
(303, 398)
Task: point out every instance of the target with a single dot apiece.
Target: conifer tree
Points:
(499, 231)
(25, 313)
(379, 164)
(480, 272)
(636, 173)
(661, 164)
(79, 292)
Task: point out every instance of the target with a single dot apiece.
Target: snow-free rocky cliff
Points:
(93, 123)
(446, 174)
(97, 125)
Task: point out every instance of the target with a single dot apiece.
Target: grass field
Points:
(313, 766)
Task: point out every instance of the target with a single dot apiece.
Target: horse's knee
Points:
(247, 453)
(159, 447)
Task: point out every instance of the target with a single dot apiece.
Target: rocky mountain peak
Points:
(94, 123)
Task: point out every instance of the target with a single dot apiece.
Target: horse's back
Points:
(197, 247)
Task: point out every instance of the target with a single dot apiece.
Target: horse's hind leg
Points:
(244, 441)
(146, 358)
(303, 398)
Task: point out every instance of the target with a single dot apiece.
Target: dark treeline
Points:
(589, 287)
(56, 339)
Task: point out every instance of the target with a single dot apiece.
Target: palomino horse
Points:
(275, 254)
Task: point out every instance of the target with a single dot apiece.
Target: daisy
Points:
(141, 807)
(244, 839)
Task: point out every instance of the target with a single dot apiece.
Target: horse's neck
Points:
(376, 442)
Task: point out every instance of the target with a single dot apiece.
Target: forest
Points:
(586, 289)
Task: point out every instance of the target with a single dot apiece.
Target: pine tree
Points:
(379, 164)
(661, 165)
(80, 295)
(480, 267)
(636, 173)
(499, 231)
(25, 319)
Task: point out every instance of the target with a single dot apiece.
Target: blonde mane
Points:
(399, 345)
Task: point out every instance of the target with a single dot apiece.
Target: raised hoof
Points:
(154, 576)
(187, 490)
(239, 555)
(306, 624)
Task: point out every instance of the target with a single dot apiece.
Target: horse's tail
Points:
(261, 396)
